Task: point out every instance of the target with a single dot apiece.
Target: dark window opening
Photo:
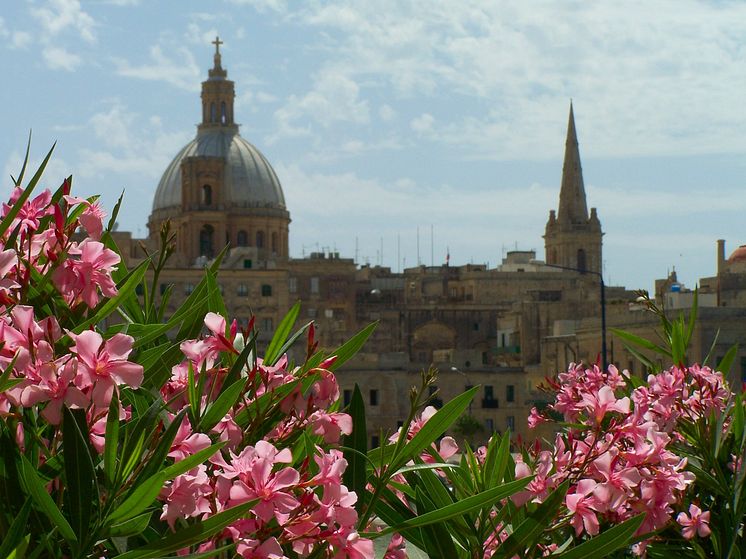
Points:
(373, 397)
(346, 397)
(247, 263)
(260, 239)
(223, 113)
(581, 260)
(242, 239)
(510, 393)
(266, 290)
(207, 195)
(205, 241)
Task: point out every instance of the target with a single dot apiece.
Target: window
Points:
(213, 115)
(266, 290)
(242, 239)
(163, 287)
(489, 424)
(375, 441)
(510, 393)
(223, 113)
(743, 368)
(188, 288)
(581, 260)
(205, 240)
(373, 397)
(243, 290)
(207, 195)
(346, 397)
(267, 324)
(274, 242)
(314, 285)
(247, 263)
(475, 327)
(510, 422)
(329, 313)
(293, 285)
(139, 289)
(260, 239)
(311, 313)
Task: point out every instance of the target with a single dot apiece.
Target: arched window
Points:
(213, 113)
(205, 241)
(260, 239)
(243, 239)
(223, 113)
(274, 243)
(207, 195)
(582, 265)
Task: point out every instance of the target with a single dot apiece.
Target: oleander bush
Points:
(126, 432)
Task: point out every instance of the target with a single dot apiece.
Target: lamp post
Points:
(604, 359)
(468, 381)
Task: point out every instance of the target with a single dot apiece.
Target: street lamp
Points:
(604, 359)
(468, 381)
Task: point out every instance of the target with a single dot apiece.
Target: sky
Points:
(391, 121)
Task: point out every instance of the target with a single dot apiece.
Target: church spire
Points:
(572, 204)
(218, 95)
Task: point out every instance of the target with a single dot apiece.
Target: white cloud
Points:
(176, 67)
(57, 16)
(279, 6)
(422, 124)
(20, 39)
(386, 112)
(58, 58)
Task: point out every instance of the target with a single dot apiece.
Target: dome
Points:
(739, 255)
(248, 181)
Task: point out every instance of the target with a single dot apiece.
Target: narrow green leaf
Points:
(111, 441)
(437, 536)
(131, 527)
(606, 543)
(528, 531)
(351, 346)
(640, 341)
(16, 532)
(217, 410)
(80, 489)
(195, 533)
(727, 361)
(283, 331)
(292, 339)
(155, 463)
(435, 427)
(354, 476)
(19, 180)
(20, 550)
(43, 500)
(489, 497)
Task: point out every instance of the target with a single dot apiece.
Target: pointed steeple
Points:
(572, 204)
(218, 95)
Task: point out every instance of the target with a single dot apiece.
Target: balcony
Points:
(514, 349)
(490, 403)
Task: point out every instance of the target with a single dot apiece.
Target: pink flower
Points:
(582, 508)
(187, 495)
(92, 217)
(330, 425)
(103, 364)
(697, 524)
(81, 279)
(186, 442)
(604, 401)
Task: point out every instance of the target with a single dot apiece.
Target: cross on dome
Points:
(217, 42)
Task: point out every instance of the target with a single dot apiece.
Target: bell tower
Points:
(573, 238)
(218, 95)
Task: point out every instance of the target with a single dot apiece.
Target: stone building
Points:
(478, 325)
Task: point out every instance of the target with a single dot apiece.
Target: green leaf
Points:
(351, 346)
(43, 500)
(641, 342)
(131, 527)
(354, 476)
(196, 533)
(727, 361)
(528, 531)
(155, 463)
(437, 536)
(111, 441)
(16, 532)
(283, 330)
(20, 550)
(606, 543)
(435, 427)
(489, 497)
(18, 204)
(80, 491)
(19, 180)
(217, 410)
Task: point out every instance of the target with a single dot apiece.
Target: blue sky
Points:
(382, 118)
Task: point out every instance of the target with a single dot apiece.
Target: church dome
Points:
(248, 180)
(739, 255)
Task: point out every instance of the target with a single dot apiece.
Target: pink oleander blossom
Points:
(695, 523)
(81, 278)
(102, 365)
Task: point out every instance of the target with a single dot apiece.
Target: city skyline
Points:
(382, 122)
